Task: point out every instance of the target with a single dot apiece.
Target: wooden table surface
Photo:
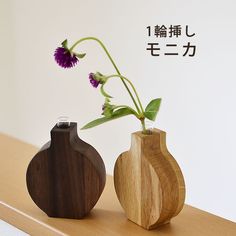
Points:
(107, 218)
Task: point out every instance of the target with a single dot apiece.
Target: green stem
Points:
(113, 63)
(143, 126)
(124, 106)
(131, 84)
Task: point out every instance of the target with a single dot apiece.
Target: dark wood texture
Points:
(106, 219)
(67, 176)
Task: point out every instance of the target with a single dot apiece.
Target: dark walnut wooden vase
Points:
(67, 176)
(148, 181)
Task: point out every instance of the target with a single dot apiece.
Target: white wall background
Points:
(9, 230)
(198, 110)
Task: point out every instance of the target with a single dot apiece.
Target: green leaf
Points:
(116, 114)
(152, 109)
(104, 93)
(64, 43)
(82, 55)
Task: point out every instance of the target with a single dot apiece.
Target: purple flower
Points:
(64, 58)
(93, 81)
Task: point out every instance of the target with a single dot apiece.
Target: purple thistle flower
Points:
(93, 81)
(64, 58)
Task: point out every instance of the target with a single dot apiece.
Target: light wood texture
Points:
(67, 176)
(148, 181)
(106, 219)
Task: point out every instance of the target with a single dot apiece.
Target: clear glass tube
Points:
(63, 122)
(149, 125)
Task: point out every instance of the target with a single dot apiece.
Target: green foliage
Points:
(82, 55)
(104, 93)
(152, 109)
(65, 44)
(111, 111)
(115, 115)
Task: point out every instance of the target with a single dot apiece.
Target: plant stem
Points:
(124, 106)
(131, 84)
(113, 63)
(143, 126)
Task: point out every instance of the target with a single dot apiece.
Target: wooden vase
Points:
(148, 181)
(67, 176)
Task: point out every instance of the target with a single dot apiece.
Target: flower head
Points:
(93, 80)
(107, 108)
(65, 58)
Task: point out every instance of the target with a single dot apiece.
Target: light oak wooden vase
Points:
(67, 176)
(148, 181)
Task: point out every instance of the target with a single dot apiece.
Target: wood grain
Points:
(148, 181)
(67, 176)
(106, 218)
